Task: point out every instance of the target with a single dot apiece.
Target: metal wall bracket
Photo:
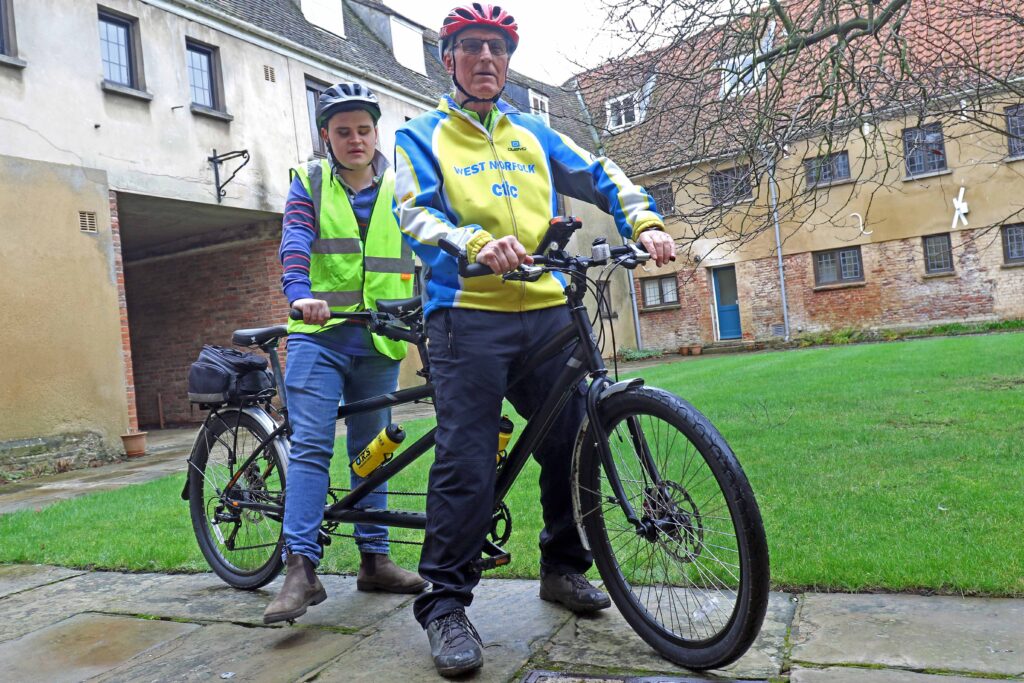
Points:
(216, 160)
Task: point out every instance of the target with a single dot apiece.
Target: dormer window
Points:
(623, 111)
(325, 14)
(407, 45)
(539, 106)
(740, 76)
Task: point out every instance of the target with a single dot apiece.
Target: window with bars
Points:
(837, 266)
(118, 50)
(1015, 130)
(938, 254)
(827, 169)
(924, 149)
(604, 301)
(731, 185)
(664, 198)
(659, 291)
(313, 91)
(1013, 243)
(201, 61)
(622, 111)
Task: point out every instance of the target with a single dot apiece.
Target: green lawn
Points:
(879, 466)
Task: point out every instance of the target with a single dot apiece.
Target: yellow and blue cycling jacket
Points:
(457, 180)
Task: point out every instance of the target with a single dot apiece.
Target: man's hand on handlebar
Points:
(314, 311)
(503, 255)
(659, 244)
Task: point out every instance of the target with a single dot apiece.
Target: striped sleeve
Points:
(600, 181)
(421, 207)
(297, 235)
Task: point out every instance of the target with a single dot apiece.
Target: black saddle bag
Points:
(224, 375)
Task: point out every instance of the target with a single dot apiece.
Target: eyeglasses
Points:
(474, 46)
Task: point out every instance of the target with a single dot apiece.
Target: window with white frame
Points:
(837, 266)
(730, 185)
(1015, 130)
(664, 198)
(623, 111)
(827, 169)
(938, 254)
(539, 106)
(1013, 243)
(924, 149)
(659, 291)
(739, 76)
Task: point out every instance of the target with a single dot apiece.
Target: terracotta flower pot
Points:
(134, 444)
(696, 350)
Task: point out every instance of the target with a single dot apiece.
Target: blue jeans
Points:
(317, 379)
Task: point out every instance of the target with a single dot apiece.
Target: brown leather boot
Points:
(300, 590)
(378, 573)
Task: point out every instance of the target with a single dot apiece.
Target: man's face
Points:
(353, 138)
(482, 75)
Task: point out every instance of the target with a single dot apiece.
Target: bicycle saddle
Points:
(400, 308)
(257, 336)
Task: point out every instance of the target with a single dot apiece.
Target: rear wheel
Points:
(693, 579)
(241, 544)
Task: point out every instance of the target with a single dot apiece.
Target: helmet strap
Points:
(471, 98)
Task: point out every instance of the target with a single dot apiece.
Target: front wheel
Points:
(691, 576)
(241, 542)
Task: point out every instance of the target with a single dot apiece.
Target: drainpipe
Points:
(774, 194)
(636, 313)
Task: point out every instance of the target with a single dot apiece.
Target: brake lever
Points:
(524, 273)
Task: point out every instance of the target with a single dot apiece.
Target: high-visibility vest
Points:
(351, 274)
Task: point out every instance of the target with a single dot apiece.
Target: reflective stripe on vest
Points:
(347, 273)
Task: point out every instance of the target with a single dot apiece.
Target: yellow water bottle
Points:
(378, 451)
(504, 434)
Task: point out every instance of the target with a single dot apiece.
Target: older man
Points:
(485, 176)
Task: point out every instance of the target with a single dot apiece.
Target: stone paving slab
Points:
(949, 634)
(512, 621)
(237, 653)
(606, 641)
(853, 675)
(15, 578)
(28, 611)
(84, 646)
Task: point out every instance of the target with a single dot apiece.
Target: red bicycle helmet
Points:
(478, 15)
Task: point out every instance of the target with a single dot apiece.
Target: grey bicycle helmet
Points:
(346, 97)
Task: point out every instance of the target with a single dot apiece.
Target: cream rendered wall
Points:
(56, 110)
(61, 369)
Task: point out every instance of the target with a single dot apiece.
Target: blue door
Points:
(727, 302)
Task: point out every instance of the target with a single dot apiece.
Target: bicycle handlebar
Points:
(466, 269)
(379, 323)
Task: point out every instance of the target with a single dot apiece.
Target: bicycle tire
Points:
(243, 547)
(698, 591)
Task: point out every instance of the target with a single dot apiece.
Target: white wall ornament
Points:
(960, 210)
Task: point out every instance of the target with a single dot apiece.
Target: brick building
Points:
(858, 228)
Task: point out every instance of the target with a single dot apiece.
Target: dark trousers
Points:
(473, 355)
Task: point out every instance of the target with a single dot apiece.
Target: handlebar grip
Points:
(466, 269)
(295, 314)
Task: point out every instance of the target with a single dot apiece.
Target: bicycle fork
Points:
(600, 390)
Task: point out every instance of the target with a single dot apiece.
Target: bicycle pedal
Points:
(495, 557)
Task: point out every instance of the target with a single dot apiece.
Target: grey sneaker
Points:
(573, 592)
(455, 644)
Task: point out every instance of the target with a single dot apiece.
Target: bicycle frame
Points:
(585, 361)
